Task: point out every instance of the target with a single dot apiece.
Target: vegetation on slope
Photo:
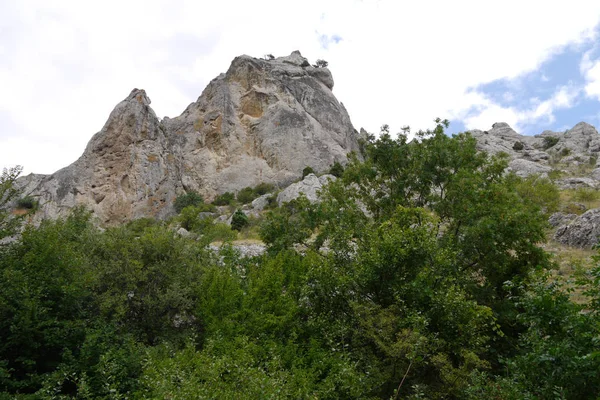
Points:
(419, 275)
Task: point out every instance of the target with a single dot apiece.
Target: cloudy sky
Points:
(65, 64)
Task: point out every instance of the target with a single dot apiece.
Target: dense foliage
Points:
(190, 198)
(419, 275)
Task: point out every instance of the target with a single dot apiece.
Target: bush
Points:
(518, 146)
(307, 171)
(246, 195)
(239, 220)
(263, 188)
(27, 202)
(585, 195)
(550, 141)
(271, 202)
(219, 231)
(224, 199)
(191, 198)
(336, 170)
(321, 64)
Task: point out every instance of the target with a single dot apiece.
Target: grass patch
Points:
(572, 264)
(586, 196)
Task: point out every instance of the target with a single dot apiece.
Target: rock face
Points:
(539, 154)
(262, 121)
(582, 232)
(127, 170)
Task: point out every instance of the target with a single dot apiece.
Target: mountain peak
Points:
(264, 120)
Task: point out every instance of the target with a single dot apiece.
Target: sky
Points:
(64, 65)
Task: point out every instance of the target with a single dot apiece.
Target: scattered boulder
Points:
(183, 232)
(245, 249)
(261, 202)
(207, 215)
(524, 168)
(582, 232)
(309, 186)
(576, 183)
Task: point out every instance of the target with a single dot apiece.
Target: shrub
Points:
(271, 202)
(586, 195)
(220, 231)
(191, 198)
(336, 169)
(138, 226)
(307, 171)
(518, 146)
(263, 188)
(246, 195)
(321, 64)
(239, 220)
(27, 202)
(565, 151)
(224, 199)
(555, 174)
(550, 141)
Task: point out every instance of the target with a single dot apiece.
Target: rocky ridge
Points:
(261, 121)
(570, 158)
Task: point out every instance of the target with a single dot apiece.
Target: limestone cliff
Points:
(261, 121)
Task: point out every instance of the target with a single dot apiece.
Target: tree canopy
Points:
(419, 274)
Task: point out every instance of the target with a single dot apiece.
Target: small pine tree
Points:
(336, 169)
(239, 220)
(307, 171)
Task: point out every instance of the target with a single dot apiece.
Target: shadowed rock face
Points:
(262, 121)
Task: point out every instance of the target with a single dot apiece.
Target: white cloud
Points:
(490, 112)
(591, 71)
(64, 65)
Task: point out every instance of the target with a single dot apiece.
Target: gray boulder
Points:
(576, 183)
(582, 232)
(524, 168)
(309, 186)
(261, 202)
(560, 218)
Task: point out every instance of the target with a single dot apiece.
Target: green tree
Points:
(246, 195)
(190, 198)
(307, 171)
(336, 170)
(8, 192)
(239, 220)
(224, 199)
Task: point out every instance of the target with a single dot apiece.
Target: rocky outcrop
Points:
(582, 232)
(538, 154)
(261, 121)
(559, 219)
(127, 170)
(309, 186)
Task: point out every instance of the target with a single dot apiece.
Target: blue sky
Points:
(65, 65)
(563, 83)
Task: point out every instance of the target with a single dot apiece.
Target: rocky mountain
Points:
(261, 121)
(569, 158)
(562, 152)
